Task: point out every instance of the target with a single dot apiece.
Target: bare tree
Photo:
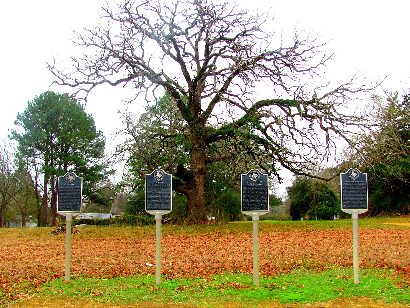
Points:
(212, 59)
(7, 181)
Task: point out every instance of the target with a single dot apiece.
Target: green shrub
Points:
(179, 212)
(137, 219)
(312, 199)
(229, 202)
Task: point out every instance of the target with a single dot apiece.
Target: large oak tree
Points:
(214, 60)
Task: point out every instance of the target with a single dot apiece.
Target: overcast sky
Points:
(367, 36)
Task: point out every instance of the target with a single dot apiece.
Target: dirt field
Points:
(30, 258)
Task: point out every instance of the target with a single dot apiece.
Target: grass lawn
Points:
(298, 288)
(302, 264)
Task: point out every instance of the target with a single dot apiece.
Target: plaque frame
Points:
(255, 175)
(158, 176)
(73, 180)
(351, 176)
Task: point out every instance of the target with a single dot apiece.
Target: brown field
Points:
(30, 257)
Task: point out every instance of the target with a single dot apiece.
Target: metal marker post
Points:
(255, 220)
(158, 218)
(69, 201)
(355, 227)
(354, 197)
(255, 202)
(158, 202)
(68, 222)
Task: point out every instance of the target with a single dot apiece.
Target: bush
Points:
(312, 199)
(179, 212)
(135, 219)
(135, 211)
(300, 198)
(226, 205)
(386, 201)
(324, 204)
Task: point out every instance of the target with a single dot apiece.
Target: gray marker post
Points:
(158, 201)
(255, 202)
(68, 224)
(69, 201)
(354, 199)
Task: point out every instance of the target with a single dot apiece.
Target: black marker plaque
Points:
(69, 193)
(254, 192)
(158, 191)
(354, 190)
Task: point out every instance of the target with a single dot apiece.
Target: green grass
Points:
(300, 287)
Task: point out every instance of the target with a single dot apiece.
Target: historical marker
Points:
(354, 191)
(69, 200)
(158, 192)
(254, 192)
(158, 201)
(255, 202)
(354, 197)
(69, 193)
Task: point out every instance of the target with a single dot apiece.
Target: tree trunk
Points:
(44, 217)
(38, 199)
(24, 207)
(2, 223)
(196, 192)
(53, 200)
(39, 215)
(23, 220)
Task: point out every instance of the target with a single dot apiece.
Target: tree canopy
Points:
(314, 199)
(212, 59)
(55, 135)
(385, 155)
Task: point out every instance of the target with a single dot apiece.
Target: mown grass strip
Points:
(298, 287)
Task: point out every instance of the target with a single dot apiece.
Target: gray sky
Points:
(367, 36)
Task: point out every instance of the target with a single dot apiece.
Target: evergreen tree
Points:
(55, 135)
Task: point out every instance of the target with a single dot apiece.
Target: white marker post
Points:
(158, 218)
(158, 201)
(354, 195)
(69, 201)
(255, 239)
(255, 202)
(355, 227)
(68, 224)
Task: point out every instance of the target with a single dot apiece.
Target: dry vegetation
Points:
(29, 258)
